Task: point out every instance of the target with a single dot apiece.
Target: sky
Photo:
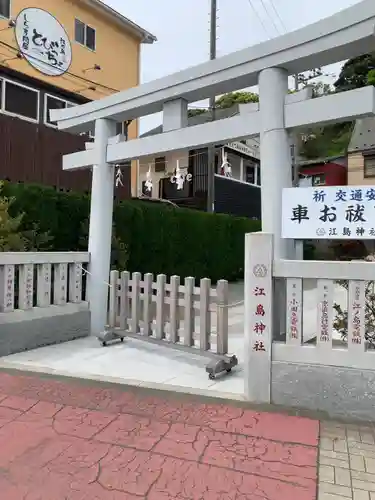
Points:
(182, 29)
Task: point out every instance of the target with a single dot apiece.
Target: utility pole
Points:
(295, 141)
(211, 149)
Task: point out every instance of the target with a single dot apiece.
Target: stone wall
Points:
(25, 330)
(341, 392)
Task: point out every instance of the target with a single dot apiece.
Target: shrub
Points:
(13, 236)
(148, 237)
(340, 323)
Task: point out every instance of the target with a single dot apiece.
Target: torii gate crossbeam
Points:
(346, 34)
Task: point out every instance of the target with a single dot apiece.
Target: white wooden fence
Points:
(40, 279)
(179, 314)
(260, 272)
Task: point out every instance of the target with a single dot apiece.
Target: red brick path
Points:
(61, 440)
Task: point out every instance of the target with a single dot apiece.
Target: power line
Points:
(259, 18)
(64, 75)
(278, 16)
(270, 16)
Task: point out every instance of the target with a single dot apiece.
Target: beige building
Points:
(361, 154)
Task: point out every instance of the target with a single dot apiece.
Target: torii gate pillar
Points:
(275, 153)
(100, 232)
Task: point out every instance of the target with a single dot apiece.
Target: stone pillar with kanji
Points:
(258, 316)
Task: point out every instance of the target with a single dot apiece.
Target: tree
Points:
(196, 112)
(320, 88)
(356, 73)
(227, 101)
(12, 237)
(371, 77)
(329, 140)
(232, 98)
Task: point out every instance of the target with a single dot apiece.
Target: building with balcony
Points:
(59, 54)
(237, 174)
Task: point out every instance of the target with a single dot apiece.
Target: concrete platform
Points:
(133, 362)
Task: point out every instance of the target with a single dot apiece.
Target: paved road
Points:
(69, 440)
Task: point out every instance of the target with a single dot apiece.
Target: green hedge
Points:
(159, 238)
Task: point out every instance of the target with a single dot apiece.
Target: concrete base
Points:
(25, 330)
(345, 393)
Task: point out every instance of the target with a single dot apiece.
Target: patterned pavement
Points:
(69, 440)
(346, 462)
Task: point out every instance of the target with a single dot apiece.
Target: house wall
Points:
(171, 160)
(33, 153)
(356, 171)
(335, 173)
(117, 52)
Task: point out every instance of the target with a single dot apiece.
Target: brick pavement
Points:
(66, 440)
(346, 462)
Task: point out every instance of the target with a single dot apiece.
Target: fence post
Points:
(204, 314)
(174, 309)
(160, 306)
(222, 317)
(124, 300)
(189, 312)
(135, 308)
(75, 283)
(112, 316)
(147, 301)
(43, 285)
(26, 284)
(7, 282)
(258, 316)
(60, 287)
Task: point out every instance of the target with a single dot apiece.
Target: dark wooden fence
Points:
(237, 198)
(33, 153)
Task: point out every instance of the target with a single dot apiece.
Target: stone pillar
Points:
(258, 317)
(275, 157)
(100, 233)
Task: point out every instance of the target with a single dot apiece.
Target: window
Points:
(90, 38)
(160, 164)
(20, 100)
(5, 8)
(250, 175)
(369, 166)
(85, 35)
(251, 172)
(318, 180)
(52, 102)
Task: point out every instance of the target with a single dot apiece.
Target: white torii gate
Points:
(346, 34)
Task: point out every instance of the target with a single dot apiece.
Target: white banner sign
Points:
(339, 212)
(43, 41)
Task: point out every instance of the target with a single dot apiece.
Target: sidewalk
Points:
(347, 462)
(74, 440)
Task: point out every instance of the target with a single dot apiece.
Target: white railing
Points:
(265, 302)
(168, 311)
(30, 280)
(357, 352)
